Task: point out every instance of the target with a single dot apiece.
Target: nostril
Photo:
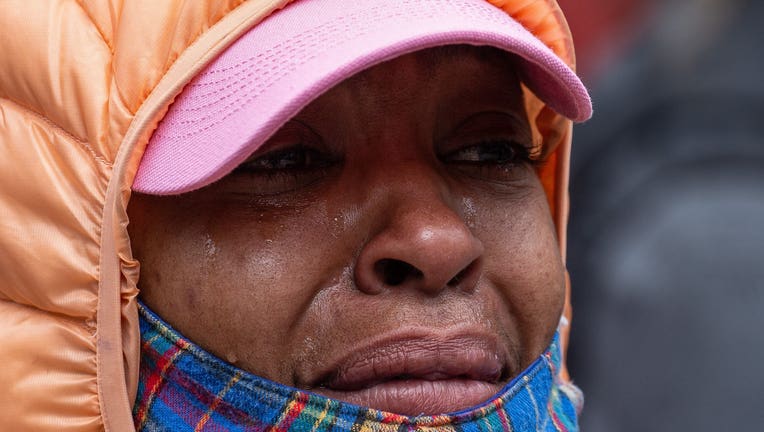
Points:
(456, 280)
(394, 272)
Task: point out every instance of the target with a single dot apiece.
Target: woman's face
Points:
(391, 246)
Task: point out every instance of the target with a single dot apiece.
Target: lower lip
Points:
(414, 397)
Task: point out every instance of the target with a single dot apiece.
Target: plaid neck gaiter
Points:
(183, 388)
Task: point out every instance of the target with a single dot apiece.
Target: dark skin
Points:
(395, 221)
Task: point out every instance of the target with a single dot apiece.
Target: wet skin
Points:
(391, 246)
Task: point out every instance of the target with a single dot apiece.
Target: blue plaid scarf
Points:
(183, 388)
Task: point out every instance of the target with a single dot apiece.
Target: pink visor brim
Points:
(278, 67)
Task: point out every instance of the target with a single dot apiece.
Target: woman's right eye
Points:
(282, 170)
(297, 157)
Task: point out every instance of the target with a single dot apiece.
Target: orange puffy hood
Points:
(82, 86)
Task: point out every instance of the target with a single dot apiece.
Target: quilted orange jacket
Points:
(83, 83)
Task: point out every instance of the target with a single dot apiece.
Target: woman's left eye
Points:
(493, 152)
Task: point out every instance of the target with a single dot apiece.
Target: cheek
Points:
(523, 263)
(231, 278)
(262, 270)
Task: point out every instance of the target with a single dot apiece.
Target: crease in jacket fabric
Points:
(83, 86)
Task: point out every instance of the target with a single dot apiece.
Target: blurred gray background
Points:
(666, 249)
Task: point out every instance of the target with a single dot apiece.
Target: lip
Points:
(415, 374)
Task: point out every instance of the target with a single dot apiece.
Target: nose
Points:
(424, 246)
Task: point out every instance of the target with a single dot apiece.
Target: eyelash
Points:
(315, 159)
(273, 173)
(508, 153)
(300, 165)
(310, 159)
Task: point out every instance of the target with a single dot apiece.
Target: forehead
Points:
(436, 88)
(485, 55)
(443, 61)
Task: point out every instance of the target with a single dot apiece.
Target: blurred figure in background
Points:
(666, 247)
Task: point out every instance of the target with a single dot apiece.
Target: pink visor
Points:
(281, 65)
